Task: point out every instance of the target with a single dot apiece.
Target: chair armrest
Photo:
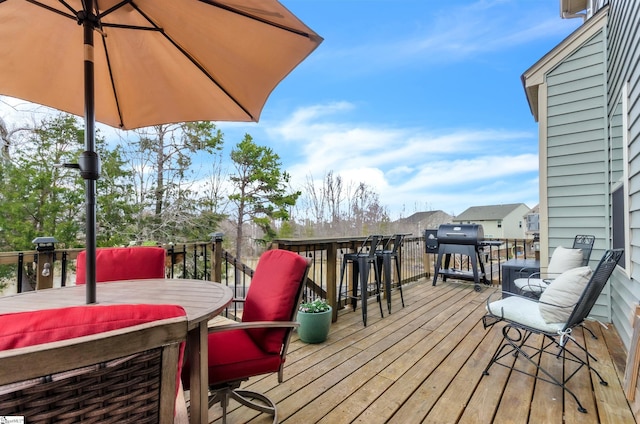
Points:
(254, 324)
(555, 305)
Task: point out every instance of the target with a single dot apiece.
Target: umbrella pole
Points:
(89, 165)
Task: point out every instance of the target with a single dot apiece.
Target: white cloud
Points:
(447, 170)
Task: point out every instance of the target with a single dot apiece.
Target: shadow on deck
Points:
(424, 363)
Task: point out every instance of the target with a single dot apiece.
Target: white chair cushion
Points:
(531, 285)
(523, 311)
(563, 259)
(557, 301)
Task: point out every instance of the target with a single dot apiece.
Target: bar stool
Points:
(360, 262)
(384, 258)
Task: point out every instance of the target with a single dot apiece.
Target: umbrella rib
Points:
(113, 83)
(194, 62)
(155, 27)
(73, 16)
(256, 18)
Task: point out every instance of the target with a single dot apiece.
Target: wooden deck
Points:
(424, 363)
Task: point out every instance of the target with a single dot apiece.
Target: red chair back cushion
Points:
(123, 263)
(273, 295)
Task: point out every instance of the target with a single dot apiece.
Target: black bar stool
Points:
(385, 256)
(361, 261)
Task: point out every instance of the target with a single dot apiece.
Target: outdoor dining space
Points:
(424, 363)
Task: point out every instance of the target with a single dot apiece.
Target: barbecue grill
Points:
(462, 239)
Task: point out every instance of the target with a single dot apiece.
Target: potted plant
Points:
(315, 320)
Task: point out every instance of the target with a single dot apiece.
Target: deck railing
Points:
(207, 260)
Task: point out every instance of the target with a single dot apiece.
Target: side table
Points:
(514, 269)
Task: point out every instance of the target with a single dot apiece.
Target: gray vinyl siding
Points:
(623, 65)
(576, 152)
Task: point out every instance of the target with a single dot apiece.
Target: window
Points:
(618, 239)
(533, 222)
(618, 190)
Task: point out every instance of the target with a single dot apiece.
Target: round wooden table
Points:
(202, 300)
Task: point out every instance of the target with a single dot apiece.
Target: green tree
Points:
(40, 198)
(260, 189)
(116, 207)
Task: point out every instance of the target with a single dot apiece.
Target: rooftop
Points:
(488, 213)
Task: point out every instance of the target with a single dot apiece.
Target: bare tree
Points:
(164, 177)
(335, 196)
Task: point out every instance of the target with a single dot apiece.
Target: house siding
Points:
(623, 40)
(577, 152)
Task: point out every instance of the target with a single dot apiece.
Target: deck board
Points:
(424, 363)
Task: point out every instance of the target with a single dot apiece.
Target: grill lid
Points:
(460, 233)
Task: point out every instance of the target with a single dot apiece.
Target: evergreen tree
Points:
(260, 189)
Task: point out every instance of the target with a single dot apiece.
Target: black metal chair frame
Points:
(385, 256)
(361, 261)
(516, 335)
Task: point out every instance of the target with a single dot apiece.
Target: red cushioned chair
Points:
(258, 344)
(115, 363)
(123, 263)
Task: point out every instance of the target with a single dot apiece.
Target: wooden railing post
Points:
(45, 246)
(332, 278)
(216, 275)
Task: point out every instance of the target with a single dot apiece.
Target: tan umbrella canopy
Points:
(137, 63)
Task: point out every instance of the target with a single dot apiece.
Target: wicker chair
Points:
(92, 364)
(124, 263)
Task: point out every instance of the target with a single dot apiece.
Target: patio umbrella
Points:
(153, 62)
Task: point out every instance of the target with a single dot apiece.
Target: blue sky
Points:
(420, 99)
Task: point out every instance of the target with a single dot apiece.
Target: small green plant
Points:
(314, 307)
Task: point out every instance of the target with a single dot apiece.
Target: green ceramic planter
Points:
(314, 328)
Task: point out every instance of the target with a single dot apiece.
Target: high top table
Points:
(202, 300)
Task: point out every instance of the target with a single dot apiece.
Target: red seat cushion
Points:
(273, 295)
(31, 328)
(233, 355)
(123, 263)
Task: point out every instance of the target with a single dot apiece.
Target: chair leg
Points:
(354, 272)
(519, 347)
(342, 271)
(267, 406)
(386, 265)
(355, 279)
(399, 280)
(377, 276)
(364, 277)
(244, 397)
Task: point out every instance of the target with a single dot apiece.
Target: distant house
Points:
(532, 219)
(420, 221)
(498, 221)
(584, 95)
